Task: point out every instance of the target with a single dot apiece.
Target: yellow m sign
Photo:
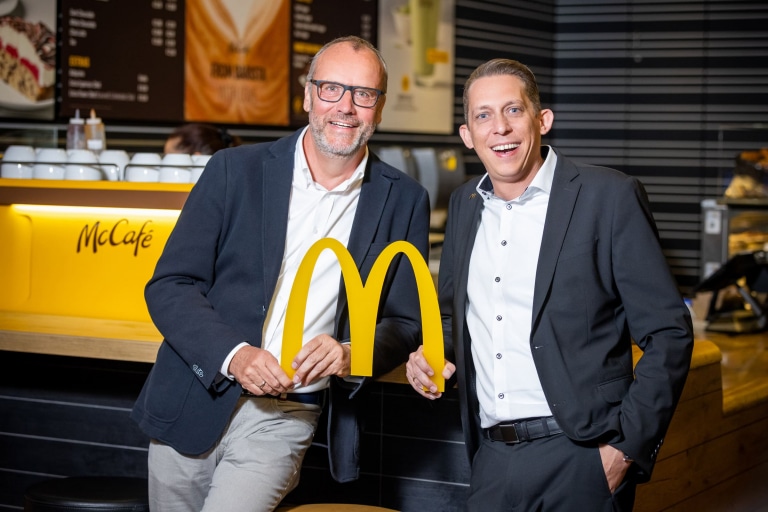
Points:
(363, 303)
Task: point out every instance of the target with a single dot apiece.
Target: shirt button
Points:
(503, 242)
(501, 396)
(498, 356)
(497, 279)
(498, 317)
(509, 207)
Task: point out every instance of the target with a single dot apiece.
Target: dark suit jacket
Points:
(601, 282)
(215, 279)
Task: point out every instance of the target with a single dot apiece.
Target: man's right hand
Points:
(258, 371)
(420, 374)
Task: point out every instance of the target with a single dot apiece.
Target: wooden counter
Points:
(716, 450)
(93, 337)
(113, 194)
(79, 337)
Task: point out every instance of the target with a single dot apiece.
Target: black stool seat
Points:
(88, 493)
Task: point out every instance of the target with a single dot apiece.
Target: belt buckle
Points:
(509, 434)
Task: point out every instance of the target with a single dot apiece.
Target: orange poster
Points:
(236, 61)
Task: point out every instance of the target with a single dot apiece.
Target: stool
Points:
(89, 493)
(334, 507)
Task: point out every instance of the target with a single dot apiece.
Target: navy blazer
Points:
(217, 274)
(601, 282)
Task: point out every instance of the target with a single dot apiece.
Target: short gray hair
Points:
(357, 43)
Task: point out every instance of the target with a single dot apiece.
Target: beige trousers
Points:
(250, 469)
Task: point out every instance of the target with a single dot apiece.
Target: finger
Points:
(421, 361)
(309, 348)
(449, 370)
(277, 381)
(323, 356)
(322, 362)
(422, 383)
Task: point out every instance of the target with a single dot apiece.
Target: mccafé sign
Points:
(363, 300)
(80, 261)
(121, 233)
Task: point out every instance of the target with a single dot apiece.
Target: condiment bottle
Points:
(76, 132)
(94, 133)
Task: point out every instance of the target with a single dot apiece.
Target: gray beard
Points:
(336, 150)
(339, 150)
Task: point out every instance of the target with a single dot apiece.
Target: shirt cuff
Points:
(224, 370)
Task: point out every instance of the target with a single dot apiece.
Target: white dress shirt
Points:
(314, 213)
(502, 272)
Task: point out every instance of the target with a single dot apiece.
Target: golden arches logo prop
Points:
(363, 303)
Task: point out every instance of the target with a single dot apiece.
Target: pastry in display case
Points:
(749, 175)
(734, 241)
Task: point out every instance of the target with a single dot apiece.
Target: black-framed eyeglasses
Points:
(332, 92)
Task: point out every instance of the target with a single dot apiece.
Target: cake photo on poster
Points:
(27, 57)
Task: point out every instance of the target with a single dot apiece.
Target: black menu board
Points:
(219, 61)
(315, 23)
(123, 58)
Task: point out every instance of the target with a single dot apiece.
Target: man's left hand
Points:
(614, 465)
(320, 357)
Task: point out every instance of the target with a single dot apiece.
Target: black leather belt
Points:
(312, 398)
(524, 430)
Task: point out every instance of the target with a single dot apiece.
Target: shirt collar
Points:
(542, 181)
(303, 178)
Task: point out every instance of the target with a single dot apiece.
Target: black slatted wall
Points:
(651, 87)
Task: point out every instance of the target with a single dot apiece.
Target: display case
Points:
(730, 227)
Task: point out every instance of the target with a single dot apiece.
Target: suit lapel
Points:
(377, 184)
(565, 190)
(370, 207)
(276, 179)
(468, 225)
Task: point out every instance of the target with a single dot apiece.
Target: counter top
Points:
(116, 194)
(79, 337)
(138, 341)
(94, 337)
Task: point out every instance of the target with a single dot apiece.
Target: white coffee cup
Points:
(143, 167)
(18, 162)
(201, 159)
(82, 164)
(200, 162)
(50, 164)
(113, 162)
(175, 168)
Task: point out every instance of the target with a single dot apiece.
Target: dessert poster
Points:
(27, 58)
(416, 38)
(236, 61)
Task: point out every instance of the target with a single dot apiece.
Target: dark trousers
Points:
(552, 474)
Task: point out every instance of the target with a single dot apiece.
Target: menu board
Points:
(123, 58)
(245, 62)
(316, 23)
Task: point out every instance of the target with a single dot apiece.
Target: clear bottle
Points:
(76, 132)
(94, 134)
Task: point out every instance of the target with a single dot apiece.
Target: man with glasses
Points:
(228, 427)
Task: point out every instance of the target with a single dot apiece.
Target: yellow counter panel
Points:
(67, 253)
